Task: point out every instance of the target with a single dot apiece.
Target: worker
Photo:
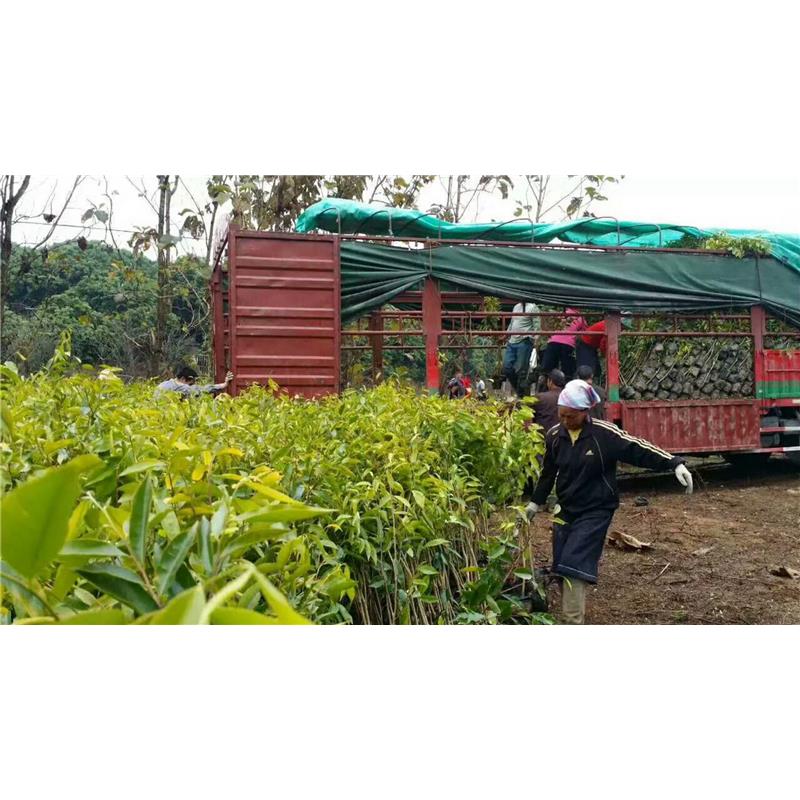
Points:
(590, 345)
(184, 383)
(456, 389)
(560, 350)
(545, 412)
(585, 373)
(581, 455)
(517, 354)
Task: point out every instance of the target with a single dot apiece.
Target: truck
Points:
(288, 306)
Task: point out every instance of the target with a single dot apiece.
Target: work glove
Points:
(530, 511)
(684, 478)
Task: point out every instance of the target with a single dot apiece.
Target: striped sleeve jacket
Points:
(585, 473)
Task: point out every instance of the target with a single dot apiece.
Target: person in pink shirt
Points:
(560, 350)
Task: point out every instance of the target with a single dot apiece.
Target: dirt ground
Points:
(711, 553)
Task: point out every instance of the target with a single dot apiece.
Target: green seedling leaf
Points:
(205, 545)
(225, 593)
(65, 580)
(14, 583)
(262, 534)
(184, 609)
(280, 606)
(240, 616)
(284, 514)
(140, 514)
(106, 616)
(120, 583)
(436, 542)
(172, 558)
(34, 516)
(80, 551)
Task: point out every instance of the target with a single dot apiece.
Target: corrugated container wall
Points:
(282, 321)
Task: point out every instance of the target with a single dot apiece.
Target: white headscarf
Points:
(579, 395)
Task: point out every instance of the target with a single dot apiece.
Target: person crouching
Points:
(581, 455)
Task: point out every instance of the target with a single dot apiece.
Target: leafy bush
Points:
(739, 246)
(107, 299)
(371, 507)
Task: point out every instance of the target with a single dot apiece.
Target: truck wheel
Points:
(747, 461)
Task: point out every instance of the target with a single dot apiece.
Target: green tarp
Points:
(373, 274)
(347, 216)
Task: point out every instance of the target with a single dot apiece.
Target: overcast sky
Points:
(769, 203)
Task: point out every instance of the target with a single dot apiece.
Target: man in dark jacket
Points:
(581, 455)
(545, 412)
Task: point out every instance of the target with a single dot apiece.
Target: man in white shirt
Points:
(517, 354)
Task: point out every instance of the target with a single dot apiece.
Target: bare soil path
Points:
(711, 553)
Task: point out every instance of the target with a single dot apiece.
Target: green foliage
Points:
(35, 515)
(371, 507)
(739, 246)
(106, 299)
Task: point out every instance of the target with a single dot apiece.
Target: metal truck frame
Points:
(276, 318)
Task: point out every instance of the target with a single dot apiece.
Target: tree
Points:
(463, 190)
(107, 300)
(161, 237)
(581, 192)
(10, 194)
(274, 202)
(9, 215)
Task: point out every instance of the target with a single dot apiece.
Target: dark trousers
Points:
(588, 356)
(561, 356)
(578, 544)
(516, 359)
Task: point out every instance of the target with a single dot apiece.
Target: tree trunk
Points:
(9, 202)
(164, 302)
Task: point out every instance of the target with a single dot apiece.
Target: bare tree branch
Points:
(570, 193)
(208, 230)
(53, 227)
(377, 186)
(15, 198)
(142, 193)
(110, 230)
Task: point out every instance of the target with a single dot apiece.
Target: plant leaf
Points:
(240, 616)
(81, 550)
(143, 466)
(174, 555)
(140, 514)
(184, 609)
(279, 604)
(105, 616)
(120, 583)
(34, 516)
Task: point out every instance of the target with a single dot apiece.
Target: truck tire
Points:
(747, 461)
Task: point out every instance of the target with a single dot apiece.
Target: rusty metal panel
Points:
(695, 426)
(284, 319)
(781, 374)
(218, 327)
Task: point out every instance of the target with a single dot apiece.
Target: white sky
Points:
(770, 203)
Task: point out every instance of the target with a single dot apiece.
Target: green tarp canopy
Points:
(347, 216)
(372, 274)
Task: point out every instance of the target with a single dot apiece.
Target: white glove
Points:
(684, 478)
(530, 511)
